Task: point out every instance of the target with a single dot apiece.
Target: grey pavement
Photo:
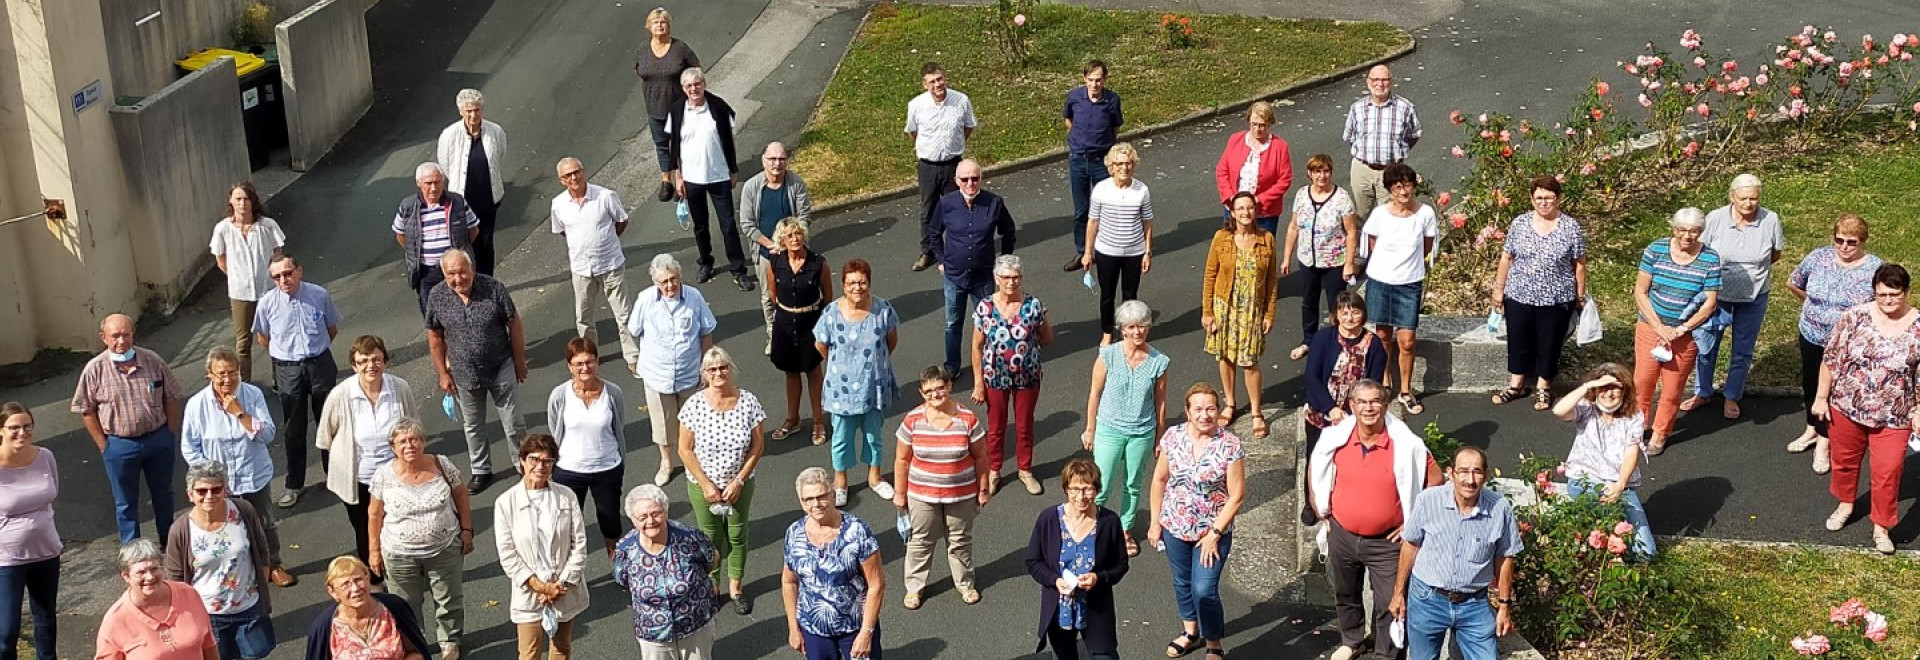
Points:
(557, 78)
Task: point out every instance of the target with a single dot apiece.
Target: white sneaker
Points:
(1344, 652)
(839, 497)
(663, 476)
(883, 489)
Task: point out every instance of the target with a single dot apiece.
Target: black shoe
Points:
(742, 605)
(666, 191)
(925, 262)
(744, 281)
(707, 273)
(1073, 264)
(478, 484)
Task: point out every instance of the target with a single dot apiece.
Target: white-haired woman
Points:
(220, 546)
(471, 151)
(721, 442)
(674, 326)
(155, 618)
(421, 526)
(1009, 329)
(1119, 233)
(799, 283)
(1749, 240)
(667, 569)
(1126, 411)
(659, 63)
(1675, 292)
(832, 581)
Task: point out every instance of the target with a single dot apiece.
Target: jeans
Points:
(127, 460)
(1352, 559)
(721, 194)
(1746, 332)
(1022, 401)
(1066, 645)
(1810, 355)
(246, 635)
(1083, 173)
(857, 437)
(1643, 546)
(1315, 284)
(960, 303)
(302, 388)
(657, 127)
(837, 647)
(935, 180)
(1196, 588)
(503, 389)
(604, 486)
(1111, 270)
(39, 583)
(613, 286)
(1430, 616)
(1535, 335)
(411, 578)
(728, 533)
(1124, 461)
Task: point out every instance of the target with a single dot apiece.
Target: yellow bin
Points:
(244, 63)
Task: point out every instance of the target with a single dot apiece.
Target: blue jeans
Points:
(246, 635)
(1636, 513)
(40, 582)
(1746, 332)
(1197, 587)
(1430, 616)
(1083, 173)
(837, 647)
(960, 304)
(857, 438)
(127, 459)
(657, 128)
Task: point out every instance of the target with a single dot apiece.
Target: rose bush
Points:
(1578, 583)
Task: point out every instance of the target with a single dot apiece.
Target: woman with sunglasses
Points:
(721, 442)
(1828, 282)
(220, 547)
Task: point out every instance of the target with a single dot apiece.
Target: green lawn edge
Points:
(1747, 601)
(853, 148)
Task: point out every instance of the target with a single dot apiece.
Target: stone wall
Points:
(328, 74)
(141, 54)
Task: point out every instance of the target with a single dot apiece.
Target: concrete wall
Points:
(181, 148)
(142, 55)
(328, 76)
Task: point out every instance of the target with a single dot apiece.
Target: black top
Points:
(479, 177)
(660, 76)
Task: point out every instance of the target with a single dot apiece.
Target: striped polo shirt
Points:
(941, 471)
(1123, 214)
(1675, 285)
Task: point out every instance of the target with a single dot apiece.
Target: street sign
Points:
(87, 97)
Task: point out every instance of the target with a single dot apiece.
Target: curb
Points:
(1667, 541)
(1060, 153)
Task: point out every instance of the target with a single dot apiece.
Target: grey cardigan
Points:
(177, 560)
(796, 190)
(557, 413)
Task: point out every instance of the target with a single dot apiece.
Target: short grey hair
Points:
(1743, 182)
(467, 97)
(406, 426)
(692, 74)
(454, 254)
(137, 551)
(1008, 263)
(206, 472)
(662, 265)
(645, 493)
(1368, 384)
(222, 354)
(421, 171)
(1688, 218)
(813, 476)
(1132, 313)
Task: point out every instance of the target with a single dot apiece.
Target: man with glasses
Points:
(479, 348)
(939, 121)
(130, 403)
(1456, 565)
(429, 224)
(1363, 477)
(1381, 128)
(297, 323)
(591, 219)
(965, 225)
(1093, 121)
(776, 193)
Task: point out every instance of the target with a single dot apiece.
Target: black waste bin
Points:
(263, 111)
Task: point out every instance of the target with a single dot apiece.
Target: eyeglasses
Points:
(570, 174)
(1846, 242)
(774, 159)
(933, 391)
(369, 361)
(544, 461)
(859, 283)
(210, 490)
(1082, 490)
(1375, 80)
(718, 368)
(17, 428)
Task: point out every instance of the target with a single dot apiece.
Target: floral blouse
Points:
(1076, 558)
(1010, 356)
(1831, 289)
(833, 584)
(1543, 266)
(672, 591)
(223, 571)
(382, 641)
(1323, 229)
(1873, 375)
(859, 375)
(1196, 488)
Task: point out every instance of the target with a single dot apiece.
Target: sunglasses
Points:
(212, 490)
(1846, 242)
(966, 179)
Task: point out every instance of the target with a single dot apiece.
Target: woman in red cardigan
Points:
(1256, 161)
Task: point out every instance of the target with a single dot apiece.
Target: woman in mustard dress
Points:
(1236, 305)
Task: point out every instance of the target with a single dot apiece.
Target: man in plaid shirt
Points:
(1381, 127)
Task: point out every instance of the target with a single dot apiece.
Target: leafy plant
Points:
(252, 26)
(1178, 31)
(1009, 27)
(1867, 630)
(1574, 584)
(1439, 444)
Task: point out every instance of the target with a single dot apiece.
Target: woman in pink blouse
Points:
(360, 624)
(156, 619)
(1866, 395)
(1197, 489)
(29, 542)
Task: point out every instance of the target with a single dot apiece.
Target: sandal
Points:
(1411, 404)
(1657, 447)
(1226, 415)
(1542, 399)
(787, 428)
(1502, 397)
(819, 436)
(969, 595)
(911, 602)
(1133, 548)
(1183, 645)
(1730, 409)
(1259, 427)
(1694, 402)
(1220, 653)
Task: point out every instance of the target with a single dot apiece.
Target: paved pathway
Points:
(556, 77)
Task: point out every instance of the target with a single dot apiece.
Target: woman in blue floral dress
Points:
(857, 333)
(832, 581)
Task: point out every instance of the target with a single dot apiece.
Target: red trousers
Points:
(1885, 448)
(1023, 401)
(1671, 376)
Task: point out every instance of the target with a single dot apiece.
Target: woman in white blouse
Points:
(357, 417)
(1119, 234)
(721, 440)
(542, 542)
(588, 419)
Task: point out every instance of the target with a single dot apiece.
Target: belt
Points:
(950, 161)
(809, 309)
(1374, 167)
(1458, 597)
(328, 354)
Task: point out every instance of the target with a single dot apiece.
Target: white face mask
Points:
(1609, 409)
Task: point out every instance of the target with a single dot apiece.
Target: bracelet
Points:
(466, 530)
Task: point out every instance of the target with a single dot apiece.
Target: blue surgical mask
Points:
(121, 358)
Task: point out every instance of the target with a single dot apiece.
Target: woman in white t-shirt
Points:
(1607, 446)
(1399, 236)
(588, 419)
(243, 244)
(1119, 233)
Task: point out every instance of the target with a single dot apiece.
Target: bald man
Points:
(131, 405)
(1381, 128)
(479, 348)
(591, 219)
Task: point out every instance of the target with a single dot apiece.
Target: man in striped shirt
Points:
(429, 224)
(1456, 564)
(1381, 128)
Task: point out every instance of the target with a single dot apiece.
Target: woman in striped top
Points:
(1675, 274)
(1119, 233)
(938, 467)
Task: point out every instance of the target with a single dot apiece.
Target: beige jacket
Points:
(336, 427)
(526, 553)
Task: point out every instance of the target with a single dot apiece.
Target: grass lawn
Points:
(1809, 193)
(1759, 599)
(854, 143)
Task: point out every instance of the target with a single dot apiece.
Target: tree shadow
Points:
(1688, 507)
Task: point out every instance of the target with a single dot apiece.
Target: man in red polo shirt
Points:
(1362, 476)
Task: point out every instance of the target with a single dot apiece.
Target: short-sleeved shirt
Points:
(1674, 285)
(27, 531)
(939, 129)
(248, 255)
(1010, 356)
(1461, 552)
(672, 590)
(1196, 489)
(859, 376)
(1127, 399)
(660, 76)
(186, 633)
(1123, 214)
(702, 160)
(1323, 227)
(1365, 497)
(1831, 289)
(1873, 374)
(669, 332)
(593, 247)
(223, 572)
(296, 325)
(382, 641)
(1745, 251)
(941, 470)
(130, 402)
(1601, 446)
(420, 518)
(372, 420)
(1381, 134)
(475, 331)
(1399, 253)
(1096, 124)
(833, 588)
(1542, 270)
(721, 438)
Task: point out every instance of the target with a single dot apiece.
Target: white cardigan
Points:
(1409, 463)
(454, 147)
(336, 427)
(561, 557)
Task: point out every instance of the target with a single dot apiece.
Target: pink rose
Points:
(1794, 90)
(1692, 149)
(1900, 40)
(1486, 134)
(1846, 612)
(1916, 108)
(1458, 152)
(1483, 118)
(1632, 70)
(1596, 539)
(1458, 220)
(1829, 37)
(1588, 169)
(1812, 645)
(1729, 66)
(1456, 118)
(1760, 79)
(1445, 199)
(1019, 19)
(1866, 42)
(1645, 102)
(1700, 62)
(1616, 546)
(1622, 528)
(1597, 113)
(1876, 627)
(1846, 69)
(1506, 135)
(1702, 109)
(1602, 88)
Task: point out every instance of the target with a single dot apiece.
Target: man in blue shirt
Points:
(965, 223)
(1458, 544)
(1093, 121)
(297, 323)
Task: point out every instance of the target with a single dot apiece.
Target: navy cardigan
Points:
(1109, 566)
(1323, 351)
(320, 634)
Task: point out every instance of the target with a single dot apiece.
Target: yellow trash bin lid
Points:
(244, 63)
